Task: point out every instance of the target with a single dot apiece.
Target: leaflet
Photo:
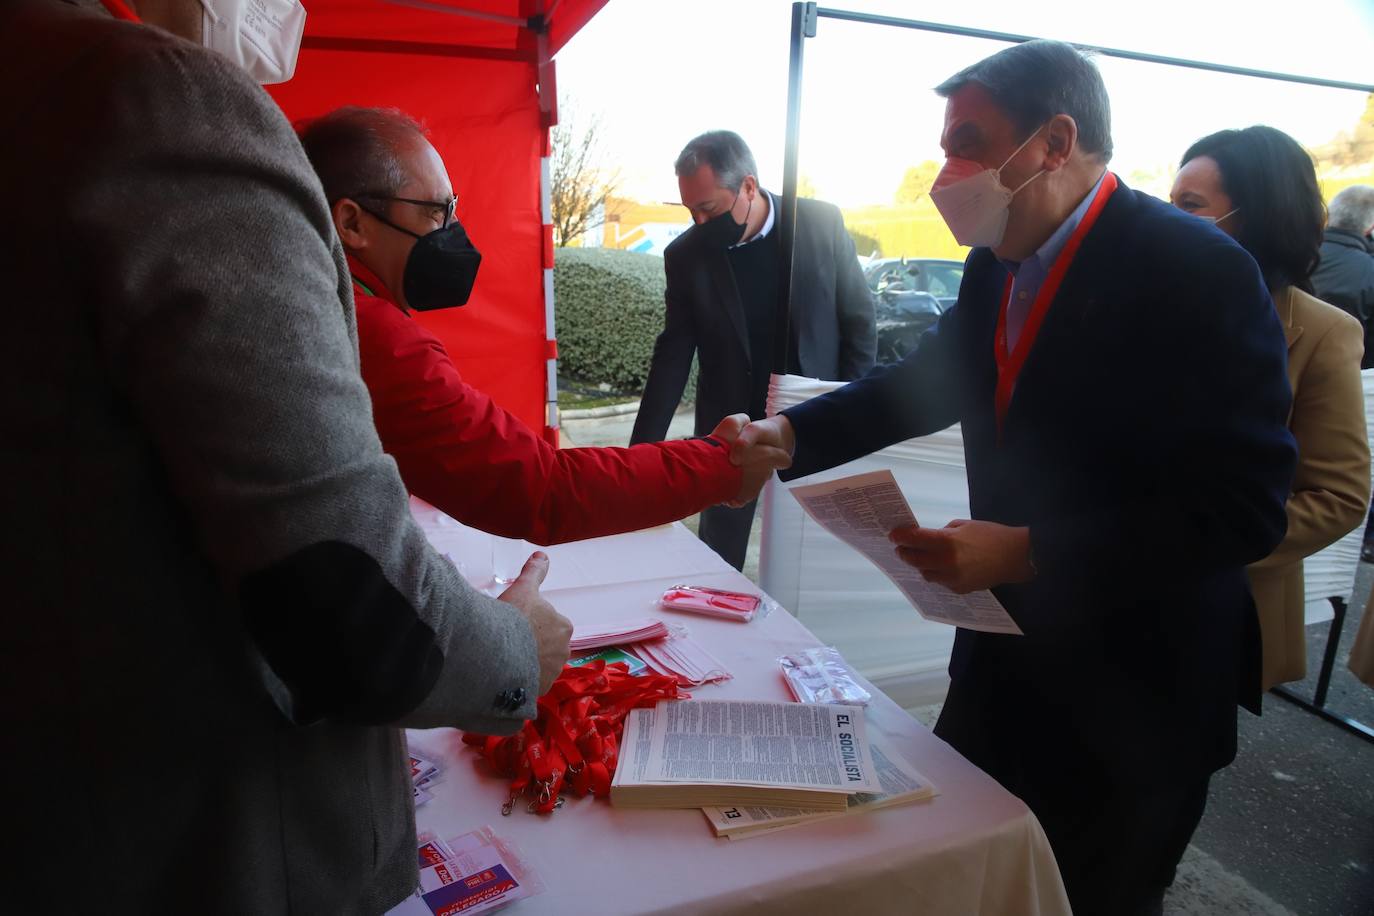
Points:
(472, 873)
(861, 511)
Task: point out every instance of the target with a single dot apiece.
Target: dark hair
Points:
(724, 151)
(1272, 181)
(353, 150)
(1034, 81)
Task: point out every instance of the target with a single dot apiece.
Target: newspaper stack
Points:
(423, 775)
(699, 753)
(901, 785)
(598, 636)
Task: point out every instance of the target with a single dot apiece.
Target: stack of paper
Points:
(597, 636)
(700, 753)
(679, 657)
(901, 785)
(423, 774)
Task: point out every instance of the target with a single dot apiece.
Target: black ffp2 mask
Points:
(722, 231)
(441, 269)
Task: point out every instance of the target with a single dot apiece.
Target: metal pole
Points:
(803, 27)
(1333, 640)
(871, 19)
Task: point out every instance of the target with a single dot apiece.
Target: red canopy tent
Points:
(480, 75)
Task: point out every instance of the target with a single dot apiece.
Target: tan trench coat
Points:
(1331, 487)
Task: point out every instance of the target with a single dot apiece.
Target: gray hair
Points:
(354, 150)
(725, 152)
(1034, 81)
(1352, 210)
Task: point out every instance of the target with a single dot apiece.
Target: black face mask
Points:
(722, 231)
(441, 268)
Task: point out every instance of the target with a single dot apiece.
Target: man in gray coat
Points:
(218, 610)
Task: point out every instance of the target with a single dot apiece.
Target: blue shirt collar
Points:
(1047, 252)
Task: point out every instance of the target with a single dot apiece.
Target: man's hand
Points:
(728, 430)
(761, 448)
(551, 629)
(967, 556)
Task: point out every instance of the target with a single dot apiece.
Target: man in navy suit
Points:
(1118, 370)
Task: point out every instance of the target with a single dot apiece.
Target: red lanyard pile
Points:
(574, 742)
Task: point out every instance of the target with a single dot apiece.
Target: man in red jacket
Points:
(394, 209)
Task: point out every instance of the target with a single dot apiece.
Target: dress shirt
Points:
(1029, 275)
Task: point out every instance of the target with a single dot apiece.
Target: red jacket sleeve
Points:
(461, 452)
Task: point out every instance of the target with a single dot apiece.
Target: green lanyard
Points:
(364, 287)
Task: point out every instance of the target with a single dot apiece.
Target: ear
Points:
(750, 187)
(349, 224)
(1061, 134)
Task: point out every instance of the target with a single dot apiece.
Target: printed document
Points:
(901, 785)
(816, 749)
(861, 511)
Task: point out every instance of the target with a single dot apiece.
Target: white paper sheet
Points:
(861, 511)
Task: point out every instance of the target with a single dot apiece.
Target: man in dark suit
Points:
(722, 299)
(1345, 275)
(1345, 278)
(1118, 370)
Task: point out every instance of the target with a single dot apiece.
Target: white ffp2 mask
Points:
(261, 36)
(973, 201)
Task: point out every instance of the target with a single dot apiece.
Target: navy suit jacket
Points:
(1146, 447)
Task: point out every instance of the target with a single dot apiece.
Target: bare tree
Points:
(582, 182)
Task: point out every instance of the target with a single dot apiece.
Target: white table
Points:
(974, 849)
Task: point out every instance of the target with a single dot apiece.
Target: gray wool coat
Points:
(217, 609)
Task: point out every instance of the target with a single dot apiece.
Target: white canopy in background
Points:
(846, 602)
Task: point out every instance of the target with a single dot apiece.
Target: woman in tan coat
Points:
(1258, 186)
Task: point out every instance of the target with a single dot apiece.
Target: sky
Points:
(660, 72)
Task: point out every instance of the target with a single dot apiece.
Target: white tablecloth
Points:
(974, 849)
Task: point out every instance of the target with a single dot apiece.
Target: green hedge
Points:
(610, 310)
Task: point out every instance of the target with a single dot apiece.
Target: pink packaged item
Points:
(714, 602)
(681, 657)
(599, 635)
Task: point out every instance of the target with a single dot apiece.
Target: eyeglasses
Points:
(449, 208)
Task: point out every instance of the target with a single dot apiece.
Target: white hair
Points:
(1352, 210)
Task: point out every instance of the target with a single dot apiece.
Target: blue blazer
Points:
(1146, 447)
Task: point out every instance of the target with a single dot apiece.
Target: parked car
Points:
(909, 295)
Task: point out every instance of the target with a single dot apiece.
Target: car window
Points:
(891, 276)
(943, 279)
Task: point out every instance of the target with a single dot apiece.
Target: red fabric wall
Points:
(483, 117)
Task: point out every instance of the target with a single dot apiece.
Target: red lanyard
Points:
(1009, 362)
(576, 736)
(120, 10)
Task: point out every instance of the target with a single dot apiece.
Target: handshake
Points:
(757, 449)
